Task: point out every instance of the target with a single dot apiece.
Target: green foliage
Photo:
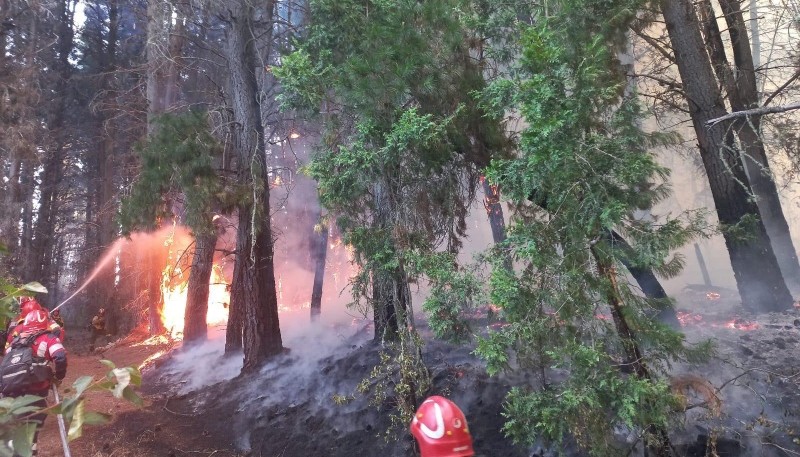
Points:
(404, 142)
(179, 158)
(16, 428)
(400, 380)
(16, 413)
(586, 163)
(9, 304)
(454, 294)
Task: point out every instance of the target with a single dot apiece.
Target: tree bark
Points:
(195, 324)
(319, 255)
(648, 282)
(494, 210)
(758, 276)
(45, 228)
(253, 288)
(391, 299)
(743, 94)
(634, 360)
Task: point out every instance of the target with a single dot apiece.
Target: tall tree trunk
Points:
(494, 210)
(391, 300)
(45, 229)
(743, 94)
(157, 19)
(9, 226)
(154, 267)
(634, 360)
(648, 282)
(253, 288)
(195, 326)
(28, 188)
(755, 267)
(319, 254)
(234, 331)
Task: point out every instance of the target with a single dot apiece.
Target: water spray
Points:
(110, 255)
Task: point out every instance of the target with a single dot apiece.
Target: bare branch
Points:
(753, 112)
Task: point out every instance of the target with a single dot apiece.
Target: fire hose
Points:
(62, 428)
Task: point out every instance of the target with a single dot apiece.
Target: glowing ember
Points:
(151, 358)
(686, 318)
(741, 324)
(175, 292)
(712, 296)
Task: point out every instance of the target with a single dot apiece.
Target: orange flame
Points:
(174, 294)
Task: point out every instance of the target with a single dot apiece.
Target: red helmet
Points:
(28, 304)
(36, 320)
(440, 429)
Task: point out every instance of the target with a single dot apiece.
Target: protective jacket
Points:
(47, 346)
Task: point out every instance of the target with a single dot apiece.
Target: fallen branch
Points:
(753, 112)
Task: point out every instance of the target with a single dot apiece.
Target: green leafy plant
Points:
(585, 171)
(16, 428)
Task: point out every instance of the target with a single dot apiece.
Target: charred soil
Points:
(306, 402)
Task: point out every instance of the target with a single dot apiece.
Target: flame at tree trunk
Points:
(174, 289)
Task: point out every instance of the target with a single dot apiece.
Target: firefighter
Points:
(440, 428)
(28, 304)
(34, 334)
(98, 327)
(56, 317)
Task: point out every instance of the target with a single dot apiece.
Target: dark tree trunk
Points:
(235, 328)
(702, 262)
(649, 283)
(9, 228)
(634, 360)
(494, 210)
(391, 299)
(743, 94)
(253, 287)
(28, 187)
(195, 326)
(647, 280)
(154, 297)
(755, 267)
(45, 229)
(319, 256)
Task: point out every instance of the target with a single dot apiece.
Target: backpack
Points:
(20, 368)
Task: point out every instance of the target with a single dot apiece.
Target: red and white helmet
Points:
(440, 429)
(28, 304)
(36, 320)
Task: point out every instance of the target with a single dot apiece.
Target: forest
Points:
(300, 219)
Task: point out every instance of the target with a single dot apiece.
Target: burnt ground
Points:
(197, 406)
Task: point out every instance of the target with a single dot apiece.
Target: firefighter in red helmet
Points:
(28, 305)
(35, 358)
(440, 428)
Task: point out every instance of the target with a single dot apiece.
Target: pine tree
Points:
(566, 305)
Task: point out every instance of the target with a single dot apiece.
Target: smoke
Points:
(307, 343)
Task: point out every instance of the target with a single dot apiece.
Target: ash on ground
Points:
(305, 403)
